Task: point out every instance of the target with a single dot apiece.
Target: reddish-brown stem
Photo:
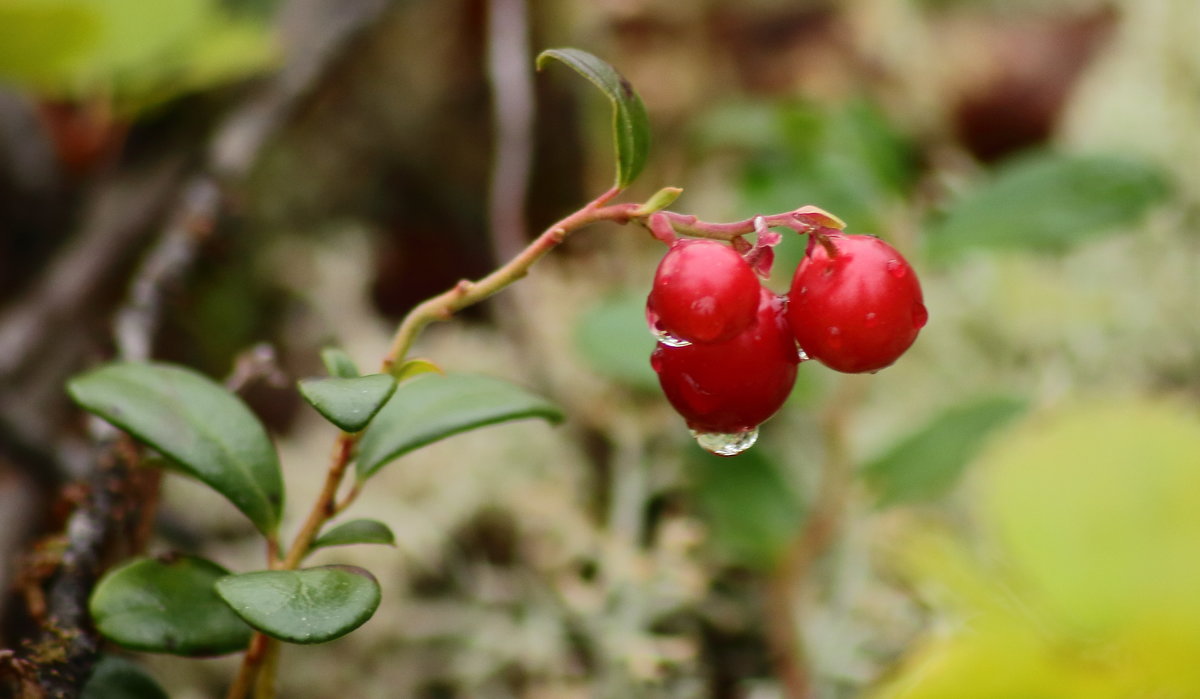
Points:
(466, 293)
(326, 504)
(255, 653)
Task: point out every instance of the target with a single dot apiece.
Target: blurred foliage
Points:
(1090, 515)
(135, 52)
(1048, 202)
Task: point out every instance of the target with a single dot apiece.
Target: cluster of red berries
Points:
(728, 347)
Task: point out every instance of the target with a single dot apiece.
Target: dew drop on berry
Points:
(668, 339)
(726, 443)
(801, 355)
(920, 315)
(897, 269)
(661, 335)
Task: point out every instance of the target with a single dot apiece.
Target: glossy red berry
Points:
(704, 291)
(855, 305)
(732, 386)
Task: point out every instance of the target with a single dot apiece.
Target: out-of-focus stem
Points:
(788, 581)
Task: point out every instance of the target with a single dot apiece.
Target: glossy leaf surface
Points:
(357, 531)
(208, 432)
(432, 407)
(348, 403)
(631, 127)
(167, 605)
(313, 605)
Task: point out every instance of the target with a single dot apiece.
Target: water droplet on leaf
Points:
(726, 443)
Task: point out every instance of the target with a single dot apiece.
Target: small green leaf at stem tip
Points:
(207, 431)
(432, 407)
(167, 605)
(338, 363)
(348, 403)
(356, 531)
(313, 605)
(631, 126)
(816, 216)
(415, 367)
(661, 200)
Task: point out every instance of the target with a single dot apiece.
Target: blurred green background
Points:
(1015, 503)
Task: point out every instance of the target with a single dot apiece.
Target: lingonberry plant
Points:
(727, 359)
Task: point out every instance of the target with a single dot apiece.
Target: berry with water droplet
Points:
(855, 303)
(703, 291)
(730, 387)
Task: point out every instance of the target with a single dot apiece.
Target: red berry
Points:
(732, 386)
(703, 291)
(858, 309)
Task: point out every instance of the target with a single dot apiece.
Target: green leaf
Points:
(432, 407)
(752, 511)
(415, 367)
(41, 41)
(338, 363)
(613, 338)
(167, 605)
(631, 127)
(348, 403)
(117, 678)
(356, 531)
(313, 605)
(1095, 509)
(200, 426)
(658, 201)
(1048, 202)
(927, 463)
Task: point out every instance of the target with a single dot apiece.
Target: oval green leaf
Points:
(195, 422)
(631, 127)
(1047, 203)
(338, 363)
(313, 605)
(167, 605)
(927, 463)
(117, 678)
(348, 403)
(357, 531)
(431, 407)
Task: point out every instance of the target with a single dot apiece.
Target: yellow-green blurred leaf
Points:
(41, 40)
(1097, 509)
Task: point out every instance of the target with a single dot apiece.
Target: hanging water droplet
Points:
(896, 269)
(801, 355)
(726, 443)
(668, 339)
(660, 334)
(920, 315)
